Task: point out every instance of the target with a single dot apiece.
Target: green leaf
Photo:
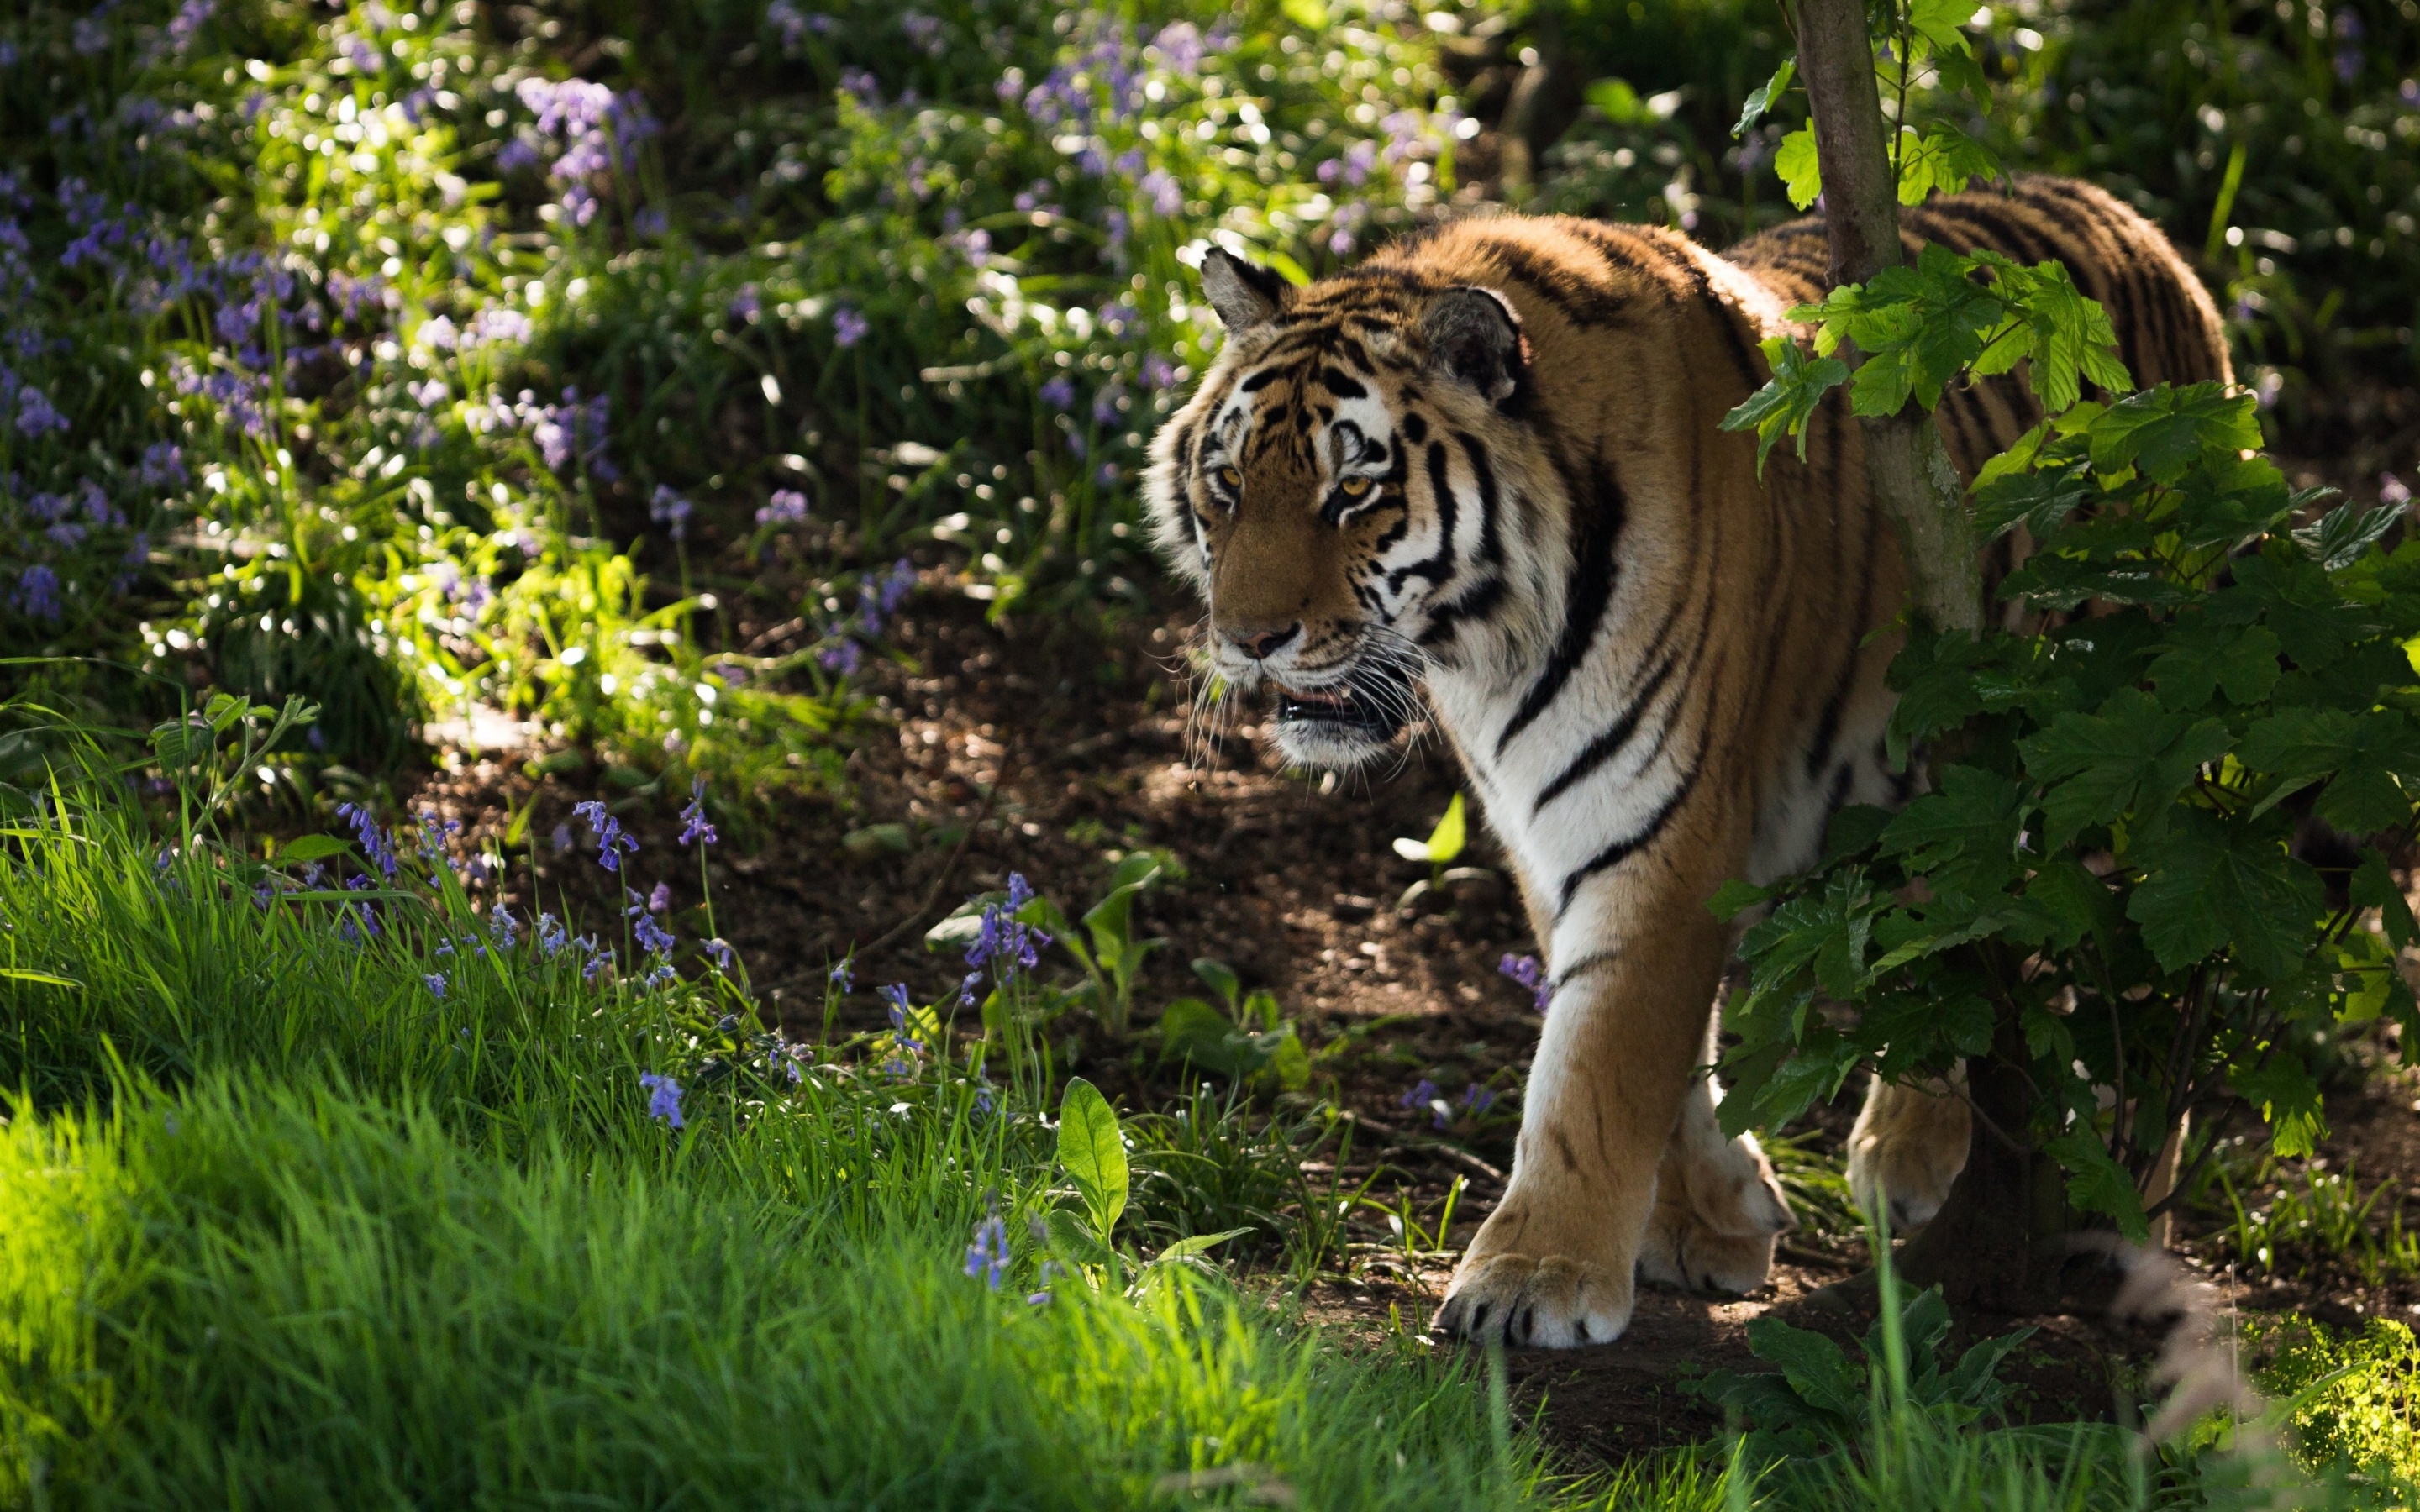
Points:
(1070, 1239)
(2336, 539)
(1762, 99)
(2164, 431)
(1444, 843)
(2288, 1100)
(1937, 21)
(2081, 902)
(2362, 753)
(312, 848)
(2204, 656)
(2374, 887)
(1964, 835)
(2097, 1184)
(1310, 15)
(2132, 756)
(1734, 898)
(1802, 177)
(1789, 399)
(1221, 978)
(1200, 1244)
(2019, 457)
(1816, 1368)
(2209, 886)
(1943, 159)
(1852, 828)
(1093, 1153)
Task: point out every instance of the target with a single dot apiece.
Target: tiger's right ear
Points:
(1244, 296)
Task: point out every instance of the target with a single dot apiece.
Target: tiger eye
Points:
(1355, 487)
(1231, 477)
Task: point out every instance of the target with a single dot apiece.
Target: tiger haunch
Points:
(1486, 463)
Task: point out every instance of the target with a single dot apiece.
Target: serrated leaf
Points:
(2336, 539)
(1761, 99)
(2132, 755)
(2164, 431)
(1787, 399)
(1937, 21)
(1964, 835)
(2288, 1100)
(2209, 886)
(1801, 177)
(2373, 886)
(2080, 901)
(2204, 656)
(2097, 1184)
(1943, 159)
(1093, 1153)
(1734, 898)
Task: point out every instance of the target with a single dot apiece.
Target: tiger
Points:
(1482, 474)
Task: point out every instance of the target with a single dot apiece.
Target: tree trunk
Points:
(1906, 465)
(1994, 1244)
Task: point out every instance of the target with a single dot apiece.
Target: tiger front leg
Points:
(1556, 1263)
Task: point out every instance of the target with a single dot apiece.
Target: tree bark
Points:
(1906, 465)
(1994, 1244)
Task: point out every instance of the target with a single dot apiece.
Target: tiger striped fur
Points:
(1486, 462)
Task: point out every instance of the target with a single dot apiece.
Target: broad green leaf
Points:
(1816, 1367)
(1802, 177)
(1943, 159)
(1310, 15)
(1221, 978)
(1072, 1240)
(2130, 756)
(1444, 843)
(1289, 1062)
(1734, 898)
(2097, 1184)
(312, 848)
(2017, 458)
(1093, 1153)
(1964, 836)
(2208, 887)
(2164, 431)
(2336, 539)
(2289, 1101)
(2360, 753)
(2081, 902)
(2374, 887)
(2204, 656)
(1761, 99)
(1937, 21)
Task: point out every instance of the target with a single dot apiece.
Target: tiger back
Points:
(1487, 466)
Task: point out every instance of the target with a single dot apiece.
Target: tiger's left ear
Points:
(1474, 336)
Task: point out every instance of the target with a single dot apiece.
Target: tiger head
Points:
(1309, 491)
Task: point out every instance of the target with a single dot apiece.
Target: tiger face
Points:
(1309, 491)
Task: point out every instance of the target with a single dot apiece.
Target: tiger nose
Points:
(1261, 644)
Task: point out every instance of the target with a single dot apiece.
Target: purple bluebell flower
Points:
(848, 326)
(612, 843)
(1059, 393)
(376, 844)
(1004, 945)
(1530, 973)
(694, 827)
(552, 935)
(842, 658)
(896, 995)
(35, 414)
(967, 985)
(660, 898)
(746, 304)
(787, 507)
(163, 464)
(720, 949)
(506, 928)
(600, 958)
(560, 839)
(987, 1257)
(861, 86)
(1477, 1099)
(1424, 1092)
(435, 984)
(663, 1098)
(669, 508)
(841, 978)
(653, 937)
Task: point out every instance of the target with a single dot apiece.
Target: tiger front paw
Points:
(1909, 1144)
(1550, 1302)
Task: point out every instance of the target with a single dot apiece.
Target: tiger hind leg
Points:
(1909, 1144)
(1718, 1208)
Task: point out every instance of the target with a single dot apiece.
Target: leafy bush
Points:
(2103, 887)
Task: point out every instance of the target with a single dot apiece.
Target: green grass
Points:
(280, 1226)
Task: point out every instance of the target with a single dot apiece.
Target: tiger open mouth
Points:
(1370, 702)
